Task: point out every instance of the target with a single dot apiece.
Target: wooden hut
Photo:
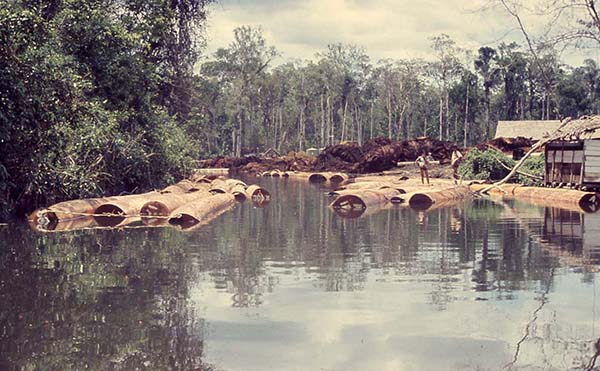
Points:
(534, 129)
(574, 160)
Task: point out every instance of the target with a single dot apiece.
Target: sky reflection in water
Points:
(293, 286)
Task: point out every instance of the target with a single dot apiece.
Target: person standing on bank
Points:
(457, 158)
(422, 162)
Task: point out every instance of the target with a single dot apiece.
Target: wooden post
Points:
(553, 169)
(582, 166)
(562, 162)
(571, 167)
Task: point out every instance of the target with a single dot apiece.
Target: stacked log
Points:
(331, 177)
(258, 195)
(152, 208)
(201, 211)
(561, 198)
(425, 199)
(568, 199)
(55, 225)
(65, 211)
(364, 198)
(115, 210)
(156, 211)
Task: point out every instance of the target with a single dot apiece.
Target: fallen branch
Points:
(556, 135)
(536, 177)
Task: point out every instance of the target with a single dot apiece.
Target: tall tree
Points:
(446, 69)
(241, 65)
(485, 64)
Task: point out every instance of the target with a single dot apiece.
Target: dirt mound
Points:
(298, 161)
(380, 154)
(376, 155)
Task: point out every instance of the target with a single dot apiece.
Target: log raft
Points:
(156, 211)
(152, 208)
(423, 200)
(568, 199)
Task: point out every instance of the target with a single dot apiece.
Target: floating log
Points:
(423, 200)
(186, 186)
(258, 195)
(505, 189)
(117, 208)
(348, 188)
(202, 178)
(297, 174)
(327, 177)
(364, 198)
(64, 211)
(227, 186)
(212, 171)
(157, 211)
(201, 211)
(70, 224)
(350, 213)
(561, 198)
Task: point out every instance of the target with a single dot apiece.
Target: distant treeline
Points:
(103, 97)
(341, 95)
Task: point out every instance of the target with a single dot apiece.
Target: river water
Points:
(293, 286)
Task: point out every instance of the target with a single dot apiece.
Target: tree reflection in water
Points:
(120, 299)
(99, 300)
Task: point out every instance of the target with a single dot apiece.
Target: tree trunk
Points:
(371, 128)
(322, 121)
(389, 109)
(359, 135)
(447, 115)
(301, 128)
(240, 139)
(344, 120)
(516, 167)
(466, 123)
(487, 113)
(280, 127)
(330, 125)
(441, 117)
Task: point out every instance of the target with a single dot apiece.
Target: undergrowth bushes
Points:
(486, 165)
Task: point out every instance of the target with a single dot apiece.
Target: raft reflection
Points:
(295, 286)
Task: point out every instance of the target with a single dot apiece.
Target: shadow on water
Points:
(130, 298)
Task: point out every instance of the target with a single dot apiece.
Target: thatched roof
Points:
(534, 129)
(585, 127)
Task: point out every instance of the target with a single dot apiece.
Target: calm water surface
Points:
(293, 286)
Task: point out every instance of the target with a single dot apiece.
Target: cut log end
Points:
(590, 202)
(153, 209)
(420, 201)
(184, 221)
(337, 178)
(349, 202)
(317, 178)
(109, 215)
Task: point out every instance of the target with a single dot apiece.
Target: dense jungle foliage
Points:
(94, 97)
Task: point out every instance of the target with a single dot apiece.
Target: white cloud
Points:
(386, 28)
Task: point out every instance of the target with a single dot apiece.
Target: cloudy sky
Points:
(386, 28)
